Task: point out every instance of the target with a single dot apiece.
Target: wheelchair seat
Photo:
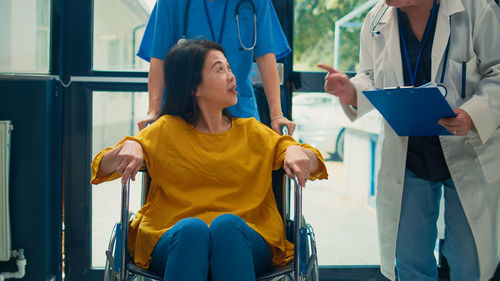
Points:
(134, 269)
(123, 269)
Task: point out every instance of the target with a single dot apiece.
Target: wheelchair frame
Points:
(303, 267)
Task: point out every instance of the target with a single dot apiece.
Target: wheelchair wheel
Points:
(108, 273)
(314, 276)
(310, 251)
(108, 268)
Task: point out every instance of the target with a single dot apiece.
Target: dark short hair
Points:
(183, 68)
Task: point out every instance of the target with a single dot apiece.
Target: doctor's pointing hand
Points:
(337, 83)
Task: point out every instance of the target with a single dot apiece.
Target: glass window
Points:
(115, 115)
(25, 33)
(315, 38)
(341, 209)
(118, 29)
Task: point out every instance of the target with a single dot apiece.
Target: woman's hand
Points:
(337, 83)
(298, 161)
(125, 159)
(459, 125)
(129, 160)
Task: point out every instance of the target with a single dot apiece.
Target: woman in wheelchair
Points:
(210, 208)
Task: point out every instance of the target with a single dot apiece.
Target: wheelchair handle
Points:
(284, 130)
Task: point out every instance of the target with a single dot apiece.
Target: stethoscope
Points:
(236, 14)
(376, 19)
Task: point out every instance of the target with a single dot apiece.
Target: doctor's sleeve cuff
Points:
(364, 106)
(482, 115)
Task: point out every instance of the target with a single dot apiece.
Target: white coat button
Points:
(399, 182)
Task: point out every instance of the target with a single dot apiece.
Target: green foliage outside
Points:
(315, 31)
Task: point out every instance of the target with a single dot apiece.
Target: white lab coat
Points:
(473, 160)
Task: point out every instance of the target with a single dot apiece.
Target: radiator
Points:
(5, 247)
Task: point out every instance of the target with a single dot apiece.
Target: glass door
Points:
(341, 209)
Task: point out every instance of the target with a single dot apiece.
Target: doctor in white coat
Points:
(408, 204)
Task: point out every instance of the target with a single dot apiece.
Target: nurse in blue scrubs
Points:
(216, 20)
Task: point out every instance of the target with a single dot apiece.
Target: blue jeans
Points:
(229, 249)
(417, 233)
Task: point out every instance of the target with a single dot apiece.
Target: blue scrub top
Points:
(166, 23)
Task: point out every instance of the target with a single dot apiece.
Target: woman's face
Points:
(218, 84)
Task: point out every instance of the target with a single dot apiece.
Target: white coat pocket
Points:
(458, 72)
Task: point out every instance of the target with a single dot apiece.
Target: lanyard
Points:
(445, 61)
(413, 73)
(210, 21)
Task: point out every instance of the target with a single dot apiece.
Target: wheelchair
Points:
(120, 266)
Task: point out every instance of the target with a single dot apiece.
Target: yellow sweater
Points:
(203, 175)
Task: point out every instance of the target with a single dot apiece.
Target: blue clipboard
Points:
(412, 111)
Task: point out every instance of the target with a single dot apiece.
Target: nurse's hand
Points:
(459, 125)
(129, 160)
(280, 121)
(148, 120)
(337, 83)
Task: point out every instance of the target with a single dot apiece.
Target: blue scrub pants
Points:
(417, 233)
(229, 249)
